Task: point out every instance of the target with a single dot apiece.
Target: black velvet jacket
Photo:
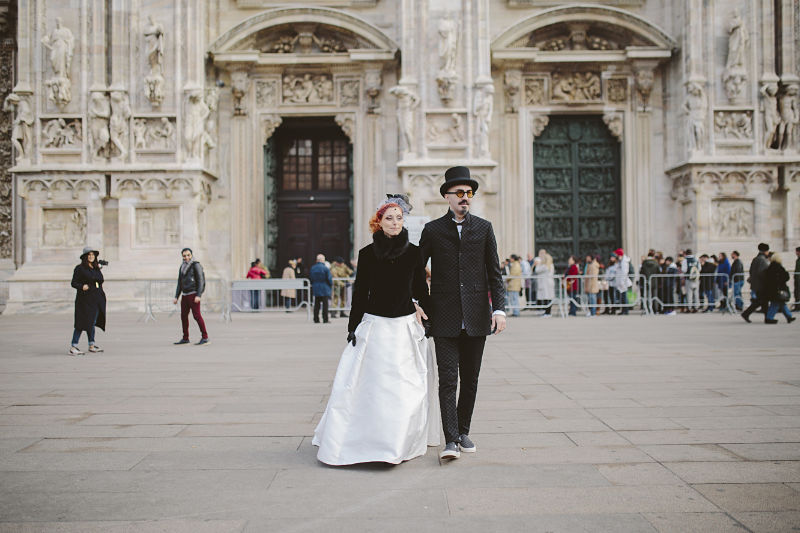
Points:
(390, 273)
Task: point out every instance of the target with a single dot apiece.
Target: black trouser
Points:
(458, 355)
(758, 301)
(321, 300)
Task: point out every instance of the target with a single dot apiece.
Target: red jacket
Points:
(572, 283)
(257, 273)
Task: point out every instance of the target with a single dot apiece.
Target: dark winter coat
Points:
(757, 267)
(193, 281)
(463, 273)
(321, 280)
(707, 279)
(774, 279)
(797, 280)
(390, 273)
(89, 303)
(737, 269)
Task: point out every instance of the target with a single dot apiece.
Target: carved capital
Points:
(538, 123)
(347, 121)
(240, 83)
(644, 77)
(614, 121)
(512, 80)
(270, 123)
(373, 84)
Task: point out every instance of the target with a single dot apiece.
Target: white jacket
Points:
(621, 280)
(545, 284)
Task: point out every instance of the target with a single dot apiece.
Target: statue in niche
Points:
(212, 101)
(790, 117)
(483, 106)
(61, 44)
(195, 135)
(772, 117)
(407, 102)
(154, 81)
(118, 124)
(99, 115)
(448, 48)
(735, 76)
(22, 129)
(695, 107)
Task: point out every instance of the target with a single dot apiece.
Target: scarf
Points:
(185, 267)
(390, 248)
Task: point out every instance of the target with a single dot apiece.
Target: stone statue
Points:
(735, 76)
(194, 135)
(22, 129)
(374, 83)
(118, 125)
(99, 115)
(240, 82)
(448, 49)
(61, 44)
(483, 106)
(140, 134)
(790, 117)
(695, 107)
(645, 77)
(407, 102)
(772, 117)
(154, 81)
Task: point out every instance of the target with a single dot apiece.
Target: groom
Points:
(464, 270)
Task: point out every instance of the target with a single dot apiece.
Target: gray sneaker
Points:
(466, 445)
(450, 451)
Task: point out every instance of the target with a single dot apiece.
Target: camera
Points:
(102, 262)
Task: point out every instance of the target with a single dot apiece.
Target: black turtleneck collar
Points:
(390, 248)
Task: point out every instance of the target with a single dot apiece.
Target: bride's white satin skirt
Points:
(384, 405)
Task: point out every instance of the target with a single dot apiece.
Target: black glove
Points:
(351, 337)
(427, 325)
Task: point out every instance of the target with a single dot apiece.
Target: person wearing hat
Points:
(464, 270)
(90, 300)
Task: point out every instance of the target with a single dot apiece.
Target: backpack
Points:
(694, 272)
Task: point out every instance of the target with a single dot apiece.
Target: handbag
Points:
(783, 295)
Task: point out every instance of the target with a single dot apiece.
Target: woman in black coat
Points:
(774, 279)
(90, 300)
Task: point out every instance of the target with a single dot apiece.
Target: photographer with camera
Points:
(90, 300)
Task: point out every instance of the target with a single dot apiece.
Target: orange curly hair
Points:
(375, 221)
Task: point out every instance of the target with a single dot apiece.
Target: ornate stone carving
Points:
(445, 129)
(482, 109)
(64, 228)
(538, 123)
(734, 125)
(212, 101)
(772, 117)
(311, 38)
(734, 77)
(154, 134)
(534, 91)
(7, 63)
(266, 94)
(307, 89)
(240, 83)
(22, 129)
(645, 77)
(512, 79)
(617, 90)
(349, 93)
(159, 187)
(447, 77)
(347, 121)
(119, 123)
(733, 218)
(576, 87)
(195, 136)
(270, 123)
(407, 103)
(725, 181)
(99, 116)
(61, 44)
(157, 226)
(695, 108)
(615, 124)
(154, 81)
(789, 109)
(61, 133)
(374, 84)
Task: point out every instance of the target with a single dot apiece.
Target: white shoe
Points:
(546, 315)
(73, 350)
(95, 348)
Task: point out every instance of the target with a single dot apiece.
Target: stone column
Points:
(791, 210)
(515, 238)
(241, 220)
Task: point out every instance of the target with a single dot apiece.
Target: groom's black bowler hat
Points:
(457, 176)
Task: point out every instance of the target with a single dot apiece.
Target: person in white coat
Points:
(545, 285)
(622, 281)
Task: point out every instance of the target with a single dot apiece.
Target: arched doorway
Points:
(576, 176)
(309, 164)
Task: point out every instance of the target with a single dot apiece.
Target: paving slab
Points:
(610, 425)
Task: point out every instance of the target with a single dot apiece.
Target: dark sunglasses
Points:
(461, 193)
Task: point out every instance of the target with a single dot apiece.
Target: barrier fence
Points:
(265, 295)
(159, 297)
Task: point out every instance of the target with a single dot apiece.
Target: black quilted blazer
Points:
(463, 272)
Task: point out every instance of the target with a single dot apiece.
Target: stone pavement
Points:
(635, 424)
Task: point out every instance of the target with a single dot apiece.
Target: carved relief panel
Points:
(445, 129)
(733, 218)
(154, 134)
(308, 88)
(733, 125)
(62, 134)
(63, 227)
(157, 226)
(266, 93)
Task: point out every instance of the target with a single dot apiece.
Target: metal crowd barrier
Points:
(609, 298)
(264, 295)
(159, 297)
(679, 293)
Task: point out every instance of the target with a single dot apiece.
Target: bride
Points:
(384, 405)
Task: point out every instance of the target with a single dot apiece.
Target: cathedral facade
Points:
(257, 128)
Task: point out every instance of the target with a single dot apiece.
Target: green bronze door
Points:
(576, 173)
